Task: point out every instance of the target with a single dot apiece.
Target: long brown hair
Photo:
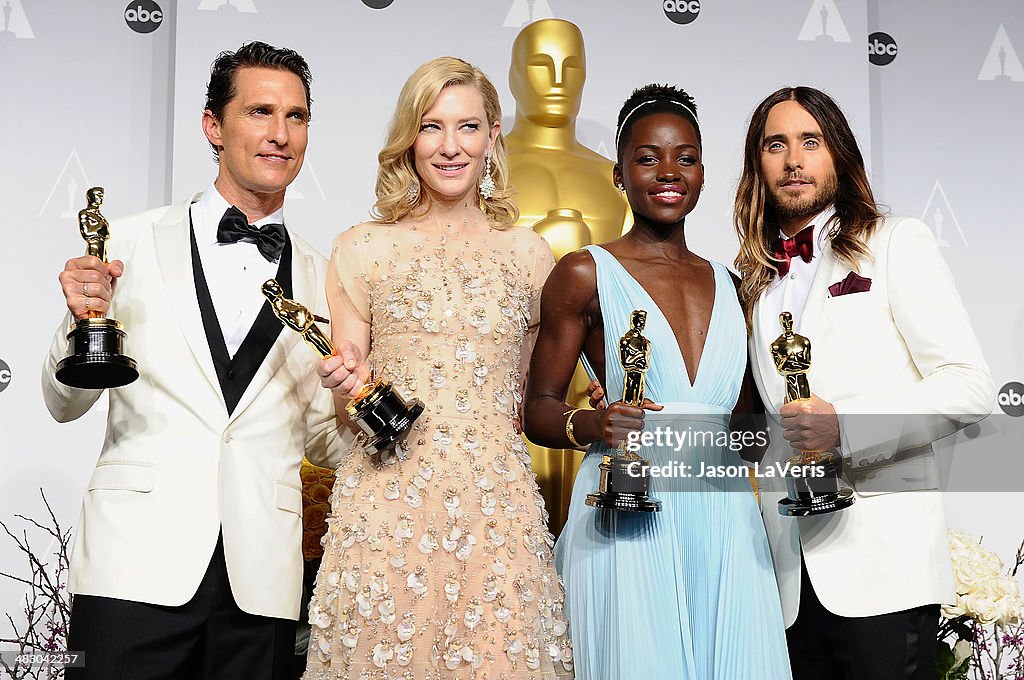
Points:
(856, 213)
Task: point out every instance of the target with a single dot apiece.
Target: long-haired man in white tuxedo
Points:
(861, 587)
(187, 560)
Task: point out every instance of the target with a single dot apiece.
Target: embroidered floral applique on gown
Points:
(438, 564)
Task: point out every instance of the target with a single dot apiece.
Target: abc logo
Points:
(882, 49)
(143, 16)
(377, 4)
(1011, 399)
(681, 11)
(5, 375)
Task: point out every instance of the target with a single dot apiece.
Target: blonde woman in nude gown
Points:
(438, 561)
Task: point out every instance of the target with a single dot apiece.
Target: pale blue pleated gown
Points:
(687, 593)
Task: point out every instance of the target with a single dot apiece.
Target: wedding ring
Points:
(85, 289)
(87, 307)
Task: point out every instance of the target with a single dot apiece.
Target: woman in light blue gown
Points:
(689, 592)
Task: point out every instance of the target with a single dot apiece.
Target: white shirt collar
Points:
(212, 207)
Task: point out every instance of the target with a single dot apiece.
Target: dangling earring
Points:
(621, 189)
(412, 194)
(487, 183)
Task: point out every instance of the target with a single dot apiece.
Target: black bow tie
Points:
(269, 238)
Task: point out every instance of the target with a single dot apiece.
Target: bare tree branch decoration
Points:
(47, 606)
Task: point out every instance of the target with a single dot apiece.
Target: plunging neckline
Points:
(664, 319)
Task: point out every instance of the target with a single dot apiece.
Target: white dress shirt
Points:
(234, 272)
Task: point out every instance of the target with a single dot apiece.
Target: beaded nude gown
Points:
(438, 561)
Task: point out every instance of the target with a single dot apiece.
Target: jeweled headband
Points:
(626, 118)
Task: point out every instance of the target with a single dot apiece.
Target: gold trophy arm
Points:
(297, 317)
(778, 358)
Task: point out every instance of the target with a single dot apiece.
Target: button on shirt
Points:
(234, 272)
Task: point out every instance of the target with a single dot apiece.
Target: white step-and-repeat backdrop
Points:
(110, 93)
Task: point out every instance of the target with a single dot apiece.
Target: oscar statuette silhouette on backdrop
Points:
(564, 190)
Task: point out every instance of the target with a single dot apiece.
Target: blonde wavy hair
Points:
(396, 173)
(856, 213)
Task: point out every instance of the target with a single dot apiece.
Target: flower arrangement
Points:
(47, 607)
(982, 635)
(317, 483)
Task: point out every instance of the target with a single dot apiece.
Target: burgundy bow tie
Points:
(801, 245)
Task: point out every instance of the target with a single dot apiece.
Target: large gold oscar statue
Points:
(564, 190)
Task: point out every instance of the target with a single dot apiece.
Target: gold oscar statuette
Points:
(96, 358)
(378, 410)
(635, 356)
(808, 493)
(618, 488)
(564, 191)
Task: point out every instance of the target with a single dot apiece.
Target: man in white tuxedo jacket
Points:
(889, 335)
(187, 560)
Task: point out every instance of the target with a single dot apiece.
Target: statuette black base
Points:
(841, 500)
(619, 490)
(96, 358)
(810, 495)
(382, 414)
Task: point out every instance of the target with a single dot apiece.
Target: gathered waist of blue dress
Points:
(683, 422)
(681, 411)
(692, 408)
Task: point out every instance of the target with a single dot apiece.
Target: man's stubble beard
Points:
(824, 195)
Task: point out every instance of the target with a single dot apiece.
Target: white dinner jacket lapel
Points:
(304, 290)
(172, 246)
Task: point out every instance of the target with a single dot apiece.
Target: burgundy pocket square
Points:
(851, 284)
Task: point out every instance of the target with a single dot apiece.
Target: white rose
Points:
(1009, 600)
(985, 602)
(958, 540)
(951, 611)
(972, 564)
